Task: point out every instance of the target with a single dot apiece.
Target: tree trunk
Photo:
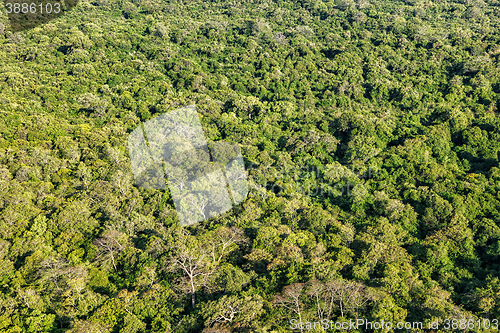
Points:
(192, 293)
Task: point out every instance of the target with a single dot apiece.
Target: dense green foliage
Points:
(395, 99)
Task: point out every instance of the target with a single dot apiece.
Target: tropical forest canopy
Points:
(390, 108)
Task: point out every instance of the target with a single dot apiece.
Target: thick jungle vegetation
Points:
(389, 107)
